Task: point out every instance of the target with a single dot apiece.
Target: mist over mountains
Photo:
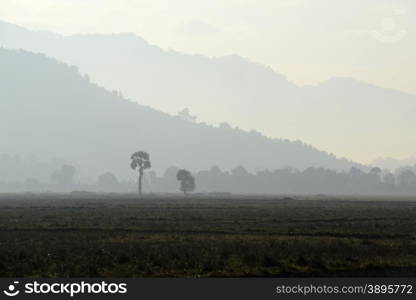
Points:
(392, 164)
(341, 115)
(50, 110)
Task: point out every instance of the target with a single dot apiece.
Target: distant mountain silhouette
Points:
(338, 114)
(50, 110)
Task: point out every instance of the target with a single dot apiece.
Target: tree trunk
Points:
(140, 182)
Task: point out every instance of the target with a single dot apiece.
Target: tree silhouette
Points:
(187, 181)
(185, 115)
(389, 179)
(375, 171)
(108, 182)
(64, 176)
(140, 161)
(406, 178)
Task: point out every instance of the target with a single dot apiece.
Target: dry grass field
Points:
(111, 235)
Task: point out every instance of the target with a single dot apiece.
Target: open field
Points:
(82, 235)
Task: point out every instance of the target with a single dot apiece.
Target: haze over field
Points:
(251, 108)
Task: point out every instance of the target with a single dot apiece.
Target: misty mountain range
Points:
(50, 110)
(352, 115)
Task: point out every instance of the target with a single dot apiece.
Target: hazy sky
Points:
(307, 40)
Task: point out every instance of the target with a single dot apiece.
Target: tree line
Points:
(238, 180)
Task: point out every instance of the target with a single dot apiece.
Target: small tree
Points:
(187, 181)
(64, 176)
(140, 161)
(375, 171)
(108, 182)
(406, 178)
(185, 115)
